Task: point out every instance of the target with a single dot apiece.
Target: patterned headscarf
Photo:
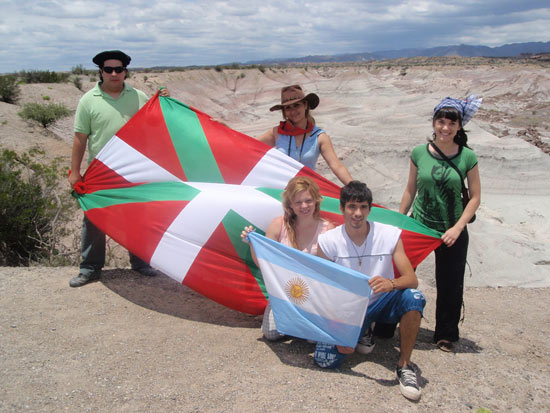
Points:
(467, 108)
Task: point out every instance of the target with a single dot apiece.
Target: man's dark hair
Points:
(355, 191)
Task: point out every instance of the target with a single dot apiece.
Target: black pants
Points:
(450, 264)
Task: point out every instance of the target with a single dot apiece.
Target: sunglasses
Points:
(109, 69)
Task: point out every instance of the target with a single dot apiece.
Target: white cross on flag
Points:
(176, 188)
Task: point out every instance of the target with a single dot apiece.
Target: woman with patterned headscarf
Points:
(442, 202)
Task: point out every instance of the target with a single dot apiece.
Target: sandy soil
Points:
(130, 343)
(133, 344)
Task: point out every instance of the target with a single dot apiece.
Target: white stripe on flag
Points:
(274, 170)
(320, 295)
(131, 164)
(193, 227)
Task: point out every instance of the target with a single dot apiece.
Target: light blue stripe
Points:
(296, 322)
(309, 265)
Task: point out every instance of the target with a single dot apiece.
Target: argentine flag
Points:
(312, 298)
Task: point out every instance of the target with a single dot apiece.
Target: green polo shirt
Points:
(100, 116)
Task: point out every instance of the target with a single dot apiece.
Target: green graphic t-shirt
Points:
(438, 203)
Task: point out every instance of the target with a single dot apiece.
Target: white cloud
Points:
(58, 34)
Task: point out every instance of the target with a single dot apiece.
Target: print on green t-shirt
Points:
(438, 203)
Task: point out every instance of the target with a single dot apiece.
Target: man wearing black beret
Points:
(100, 114)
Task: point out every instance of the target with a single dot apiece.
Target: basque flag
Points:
(176, 188)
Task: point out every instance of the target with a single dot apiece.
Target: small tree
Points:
(79, 70)
(46, 114)
(32, 209)
(9, 89)
(77, 82)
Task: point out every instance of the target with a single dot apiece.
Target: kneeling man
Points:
(372, 248)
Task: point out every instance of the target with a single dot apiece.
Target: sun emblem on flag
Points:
(297, 290)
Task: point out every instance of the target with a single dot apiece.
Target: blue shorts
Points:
(392, 306)
(387, 309)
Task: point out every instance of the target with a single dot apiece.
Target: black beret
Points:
(100, 58)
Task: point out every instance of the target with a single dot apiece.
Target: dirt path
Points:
(129, 343)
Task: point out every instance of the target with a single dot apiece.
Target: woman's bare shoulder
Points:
(270, 137)
(274, 229)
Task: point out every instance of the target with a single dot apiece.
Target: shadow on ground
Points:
(165, 295)
(299, 353)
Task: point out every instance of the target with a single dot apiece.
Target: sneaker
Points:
(83, 279)
(366, 343)
(147, 271)
(407, 382)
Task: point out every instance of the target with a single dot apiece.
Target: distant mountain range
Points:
(508, 50)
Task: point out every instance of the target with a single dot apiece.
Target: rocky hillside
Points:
(375, 114)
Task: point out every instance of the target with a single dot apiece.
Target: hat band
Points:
(293, 99)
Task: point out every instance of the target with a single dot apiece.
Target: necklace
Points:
(357, 252)
(301, 146)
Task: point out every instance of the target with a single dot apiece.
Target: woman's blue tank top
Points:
(307, 153)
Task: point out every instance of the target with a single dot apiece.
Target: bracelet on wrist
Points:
(392, 285)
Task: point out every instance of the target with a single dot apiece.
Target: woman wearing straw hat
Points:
(298, 136)
(437, 171)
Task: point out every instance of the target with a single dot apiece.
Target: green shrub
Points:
(44, 113)
(43, 76)
(9, 89)
(46, 97)
(218, 69)
(77, 82)
(32, 209)
(261, 68)
(79, 70)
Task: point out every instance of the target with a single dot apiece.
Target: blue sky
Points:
(60, 34)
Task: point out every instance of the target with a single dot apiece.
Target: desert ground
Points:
(127, 343)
